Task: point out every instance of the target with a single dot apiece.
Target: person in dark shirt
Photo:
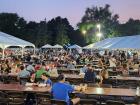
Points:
(90, 74)
(30, 99)
(28, 58)
(123, 57)
(61, 90)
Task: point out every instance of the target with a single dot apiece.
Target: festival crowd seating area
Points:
(59, 77)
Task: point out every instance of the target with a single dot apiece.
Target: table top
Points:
(72, 76)
(66, 69)
(90, 90)
(110, 91)
(125, 78)
(9, 74)
(18, 87)
(68, 76)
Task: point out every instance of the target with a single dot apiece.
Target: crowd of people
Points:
(45, 64)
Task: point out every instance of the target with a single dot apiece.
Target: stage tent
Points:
(7, 40)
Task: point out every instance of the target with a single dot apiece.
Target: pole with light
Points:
(99, 34)
(99, 27)
(84, 33)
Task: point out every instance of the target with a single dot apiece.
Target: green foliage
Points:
(98, 15)
(131, 27)
(59, 30)
(55, 31)
(9, 22)
(62, 38)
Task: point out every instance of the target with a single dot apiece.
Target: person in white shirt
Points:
(112, 61)
(53, 72)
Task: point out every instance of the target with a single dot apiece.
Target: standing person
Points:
(61, 90)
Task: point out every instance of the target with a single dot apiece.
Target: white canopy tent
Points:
(7, 40)
(75, 46)
(47, 46)
(90, 46)
(104, 44)
(58, 46)
(126, 42)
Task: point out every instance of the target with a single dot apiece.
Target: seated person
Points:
(90, 74)
(30, 68)
(37, 66)
(112, 61)
(41, 70)
(104, 76)
(100, 62)
(53, 72)
(30, 99)
(23, 73)
(32, 78)
(46, 79)
(139, 71)
(70, 65)
(61, 90)
(136, 66)
(125, 71)
(119, 66)
(84, 69)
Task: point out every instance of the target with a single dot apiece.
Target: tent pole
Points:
(34, 51)
(22, 51)
(3, 54)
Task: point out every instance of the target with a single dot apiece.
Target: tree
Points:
(131, 27)
(31, 32)
(94, 16)
(58, 29)
(62, 37)
(77, 38)
(8, 23)
(43, 35)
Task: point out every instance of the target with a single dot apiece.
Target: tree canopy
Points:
(102, 16)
